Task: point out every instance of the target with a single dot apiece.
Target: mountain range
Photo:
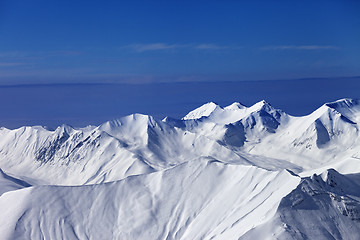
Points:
(232, 172)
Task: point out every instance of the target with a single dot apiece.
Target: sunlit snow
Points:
(232, 172)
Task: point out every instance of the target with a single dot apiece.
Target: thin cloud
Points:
(153, 47)
(301, 47)
(38, 54)
(61, 53)
(209, 46)
(13, 54)
(164, 46)
(11, 64)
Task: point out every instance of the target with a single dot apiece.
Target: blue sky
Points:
(174, 41)
(85, 62)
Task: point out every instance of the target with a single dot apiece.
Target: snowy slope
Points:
(329, 135)
(219, 173)
(321, 207)
(324, 137)
(139, 144)
(203, 111)
(8, 183)
(195, 200)
(132, 145)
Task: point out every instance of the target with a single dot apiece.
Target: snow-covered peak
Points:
(203, 111)
(344, 103)
(64, 128)
(344, 106)
(136, 118)
(235, 106)
(348, 108)
(132, 129)
(232, 113)
(261, 105)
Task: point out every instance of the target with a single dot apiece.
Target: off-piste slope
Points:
(195, 200)
(8, 183)
(219, 173)
(325, 206)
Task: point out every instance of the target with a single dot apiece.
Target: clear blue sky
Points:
(44, 41)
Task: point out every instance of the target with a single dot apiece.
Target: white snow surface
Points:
(232, 172)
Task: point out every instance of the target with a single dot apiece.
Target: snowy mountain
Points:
(321, 207)
(218, 173)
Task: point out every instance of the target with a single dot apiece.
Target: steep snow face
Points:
(321, 207)
(194, 200)
(348, 108)
(333, 126)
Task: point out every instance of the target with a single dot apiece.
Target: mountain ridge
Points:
(221, 173)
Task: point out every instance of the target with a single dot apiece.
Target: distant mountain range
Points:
(218, 173)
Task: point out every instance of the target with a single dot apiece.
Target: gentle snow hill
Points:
(8, 183)
(194, 200)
